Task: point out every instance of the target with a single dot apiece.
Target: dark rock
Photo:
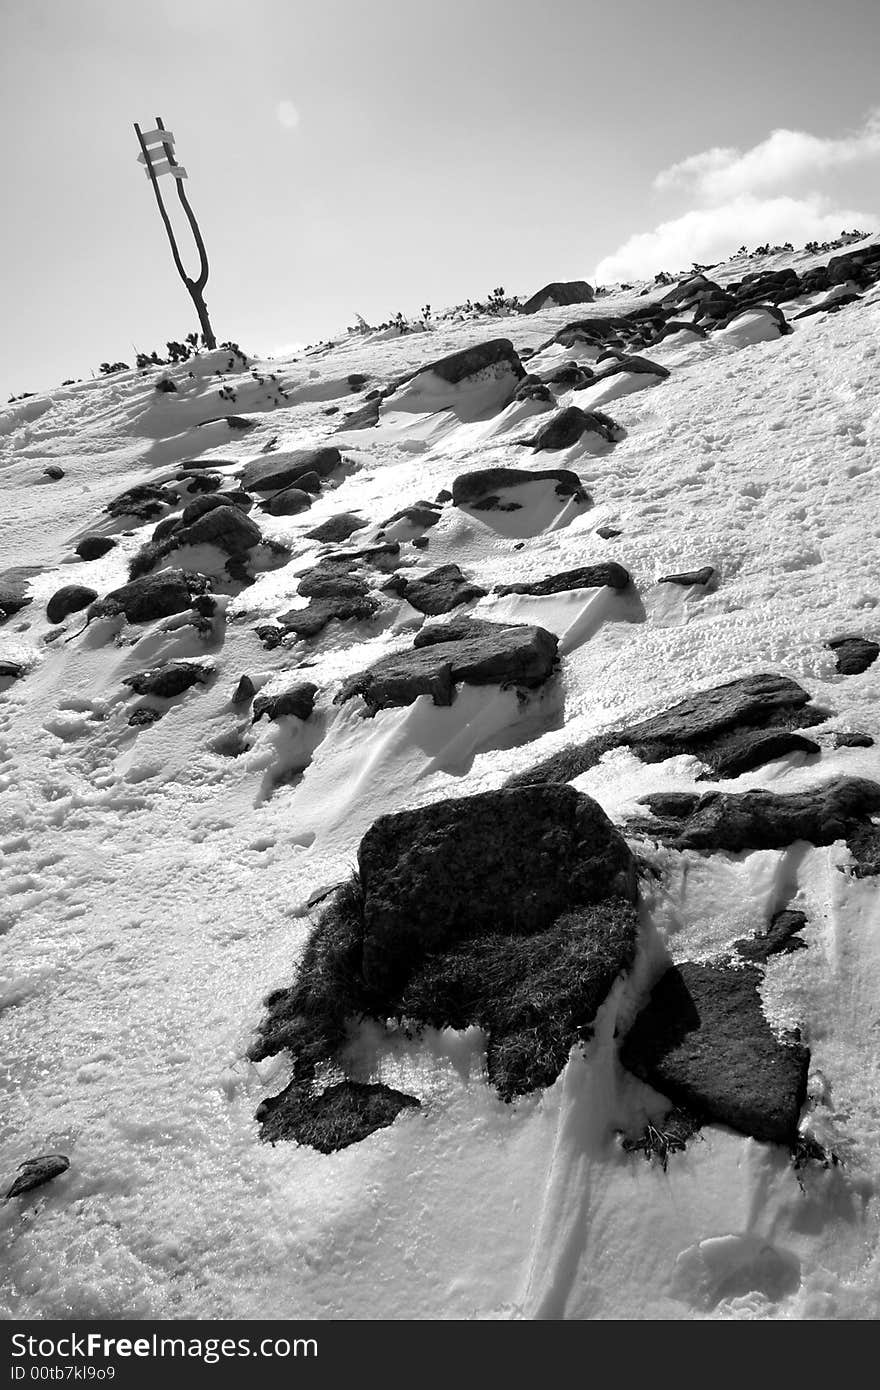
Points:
(288, 502)
(53, 472)
(343, 1114)
(70, 599)
(745, 749)
(143, 717)
(161, 531)
(14, 585)
(365, 418)
(144, 502)
(145, 599)
(36, 1171)
(357, 379)
(703, 576)
(854, 654)
(200, 483)
(514, 913)
(700, 724)
(93, 547)
(310, 483)
(299, 701)
(200, 506)
(639, 365)
(308, 622)
(571, 375)
(11, 670)
(479, 489)
(270, 634)
(457, 629)
(272, 474)
(567, 426)
(680, 326)
(497, 861)
(780, 939)
(608, 533)
(438, 591)
(760, 819)
(244, 692)
(534, 391)
(586, 577)
(591, 330)
(424, 514)
(384, 554)
(671, 805)
(864, 846)
(703, 1041)
(458, 366)
(846, 740)
(535, 995)
(169, 680)
(337, 528)
(559, 292)
(226, 527)
(497, 655)
(769, 309)
(333, 578)
(830, 306)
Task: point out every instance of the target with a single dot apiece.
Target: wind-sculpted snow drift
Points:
(471, 793)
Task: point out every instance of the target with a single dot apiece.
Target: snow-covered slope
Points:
(157, 876)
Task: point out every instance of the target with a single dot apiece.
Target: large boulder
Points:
(585, 577)
(69, 599)
(282, 470)
(438, 591)
(567, 426)
(226, 527)
(169, 680)
(480, 489)
(854, 654)
(144, 502)
(703, 1041)
(468, 362)
(209, 503)
(337, 528)
(759, 819)
(637, 365)
(703, 724)
(489, 654)
(147, 598)
(498, 861)
(558, 294)
(298, 700)
(290, 501)
(93, 547)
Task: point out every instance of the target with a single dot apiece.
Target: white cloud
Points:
(708, 235)
(287, 114)
(784, 159)
(770, 192)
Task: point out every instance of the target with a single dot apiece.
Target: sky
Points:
(366, 156)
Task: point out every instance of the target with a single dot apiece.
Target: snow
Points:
(155, 887)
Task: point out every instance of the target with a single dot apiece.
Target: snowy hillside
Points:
(263, 609)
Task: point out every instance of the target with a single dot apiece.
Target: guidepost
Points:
(157, 155)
